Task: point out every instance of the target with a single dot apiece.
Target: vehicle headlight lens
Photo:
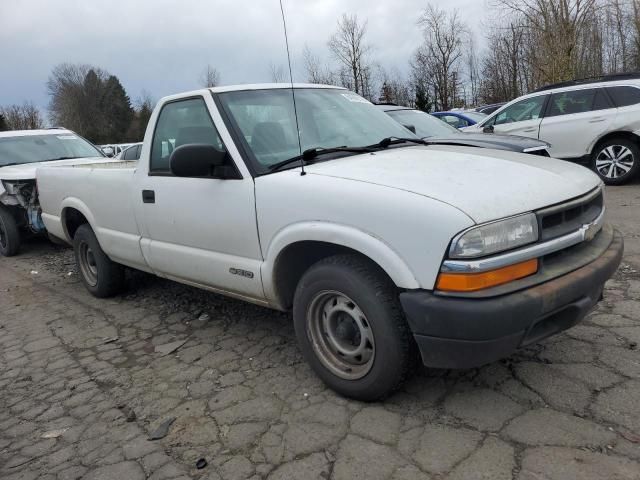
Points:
(496, 237)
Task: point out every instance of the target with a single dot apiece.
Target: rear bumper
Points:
(454, 332)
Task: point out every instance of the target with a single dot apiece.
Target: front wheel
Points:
(100, 275)
(351, 329)
(616, 161)
(9, 234)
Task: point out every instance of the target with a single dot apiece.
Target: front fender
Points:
(347, 236)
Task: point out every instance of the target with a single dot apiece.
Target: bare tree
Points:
(395, 89)
(89, 101)
(278, 73)
(349, 48)
(440, 56)
(555, 30)
(473, 73)
(210, 77)
(70, 104)
(22, 117)
(505, 66)
(317, 72)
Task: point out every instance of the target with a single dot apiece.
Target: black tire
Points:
(9, 233)
(611, 158)
(100, 275)
(374, 295)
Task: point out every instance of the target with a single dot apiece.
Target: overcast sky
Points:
(162, 46)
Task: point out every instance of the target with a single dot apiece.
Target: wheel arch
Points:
(294, 249)
(74, 213)
(611, 135)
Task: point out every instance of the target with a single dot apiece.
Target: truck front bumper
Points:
(457, 332)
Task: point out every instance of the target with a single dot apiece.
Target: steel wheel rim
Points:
(341, 335)
(88, 265)
(614, 161)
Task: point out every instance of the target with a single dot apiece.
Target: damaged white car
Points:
(20, 153)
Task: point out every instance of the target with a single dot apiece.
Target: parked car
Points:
(428, 127)
(489, 109)
(381, 246)
(132, 152)
(460, 119)
(591, 122)
(21, 151)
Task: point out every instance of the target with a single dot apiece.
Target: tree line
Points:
(530, 43)
(88, 100)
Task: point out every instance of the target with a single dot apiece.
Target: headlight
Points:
(495, 237)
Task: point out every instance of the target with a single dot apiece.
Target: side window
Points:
(128, 153)
(567, 103)
(601, 102)
(527, 109)
(181, 123)
(624, 96)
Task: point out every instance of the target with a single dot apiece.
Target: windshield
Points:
(426, 125)
(42, 148)
(475, 116)
(327, 118)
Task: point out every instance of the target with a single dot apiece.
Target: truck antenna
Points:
(293, 92)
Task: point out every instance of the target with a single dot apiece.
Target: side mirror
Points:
(411, 128)
(488, 129)
(196, 160)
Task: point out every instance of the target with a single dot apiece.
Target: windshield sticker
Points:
(67, 137)
(353, 97)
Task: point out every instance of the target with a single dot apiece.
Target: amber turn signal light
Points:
(471, 282)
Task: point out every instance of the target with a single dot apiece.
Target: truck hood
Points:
(485, 184)
(512, 143)
(27, 171)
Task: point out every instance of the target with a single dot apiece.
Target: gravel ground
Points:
(84, 383)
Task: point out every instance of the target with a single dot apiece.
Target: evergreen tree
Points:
(386, 94)
(116, 109)
(144, 114)
(3, 123)
(423, 102)
(93, 120)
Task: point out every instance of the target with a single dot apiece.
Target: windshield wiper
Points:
(312, 153)
(9, 164)
(388, 141)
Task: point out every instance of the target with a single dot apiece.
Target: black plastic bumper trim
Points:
(465, 333)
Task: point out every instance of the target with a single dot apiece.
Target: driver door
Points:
(202, 230)
(521, 118)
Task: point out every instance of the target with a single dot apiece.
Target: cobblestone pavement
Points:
(82, 386)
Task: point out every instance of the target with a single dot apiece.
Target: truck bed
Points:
(101, 192)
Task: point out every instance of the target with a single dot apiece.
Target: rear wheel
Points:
(100, 275)
(9, 233)
(351, 329)
(616, 161)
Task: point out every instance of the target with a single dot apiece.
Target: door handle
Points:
(530, 129)
(148, 196)
(597, 120)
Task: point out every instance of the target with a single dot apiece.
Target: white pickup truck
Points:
(382, 244)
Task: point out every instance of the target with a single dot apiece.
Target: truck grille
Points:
(567, 217)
